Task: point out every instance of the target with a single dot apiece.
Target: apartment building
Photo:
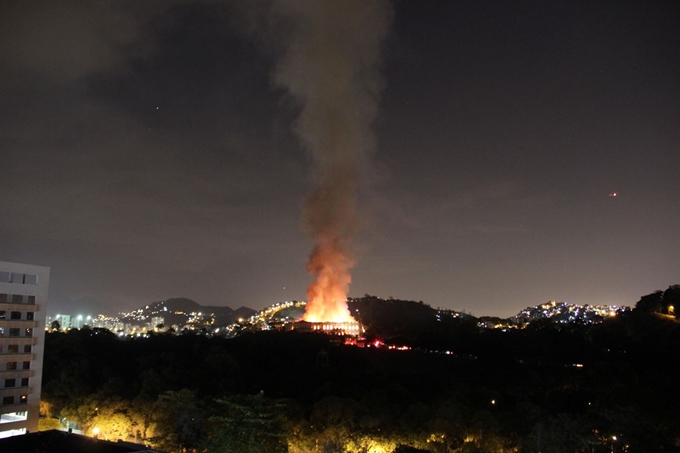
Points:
(23, 295)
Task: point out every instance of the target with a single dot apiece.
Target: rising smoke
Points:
(330, 63)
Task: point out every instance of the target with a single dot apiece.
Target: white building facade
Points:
(23, 296)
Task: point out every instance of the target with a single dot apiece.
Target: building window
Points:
(24, 382)
(23, 399)
(16, 315)
(31, 279)
(10, 383)
(27, 348)
(31, 300)
(17, 298)
(29, 332)
(4, 298)
(2, 314)
(27, 365)
(7, 400)
(11, 366)
(29, 316)
(5, 277)
(12, 349)
(13, 331)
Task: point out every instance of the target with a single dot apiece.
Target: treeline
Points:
(549, 388)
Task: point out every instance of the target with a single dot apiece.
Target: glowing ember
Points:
(327, 294)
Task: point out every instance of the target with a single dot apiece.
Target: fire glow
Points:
(327, 294)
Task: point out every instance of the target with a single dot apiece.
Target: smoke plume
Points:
(330, 64)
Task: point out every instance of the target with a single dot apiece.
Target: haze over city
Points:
(522, 152)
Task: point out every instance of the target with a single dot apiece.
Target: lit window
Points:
(13, 417)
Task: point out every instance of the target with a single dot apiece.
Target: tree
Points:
(55, 326)
(651, 303)
(559, 433)
(246, 424)
(178, 424)
(47, 424)
(671, 300)
(408, 449)
(111, 415)
(46, 409)
(80, 411)
(112, 426)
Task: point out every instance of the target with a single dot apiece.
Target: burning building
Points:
(345, 328)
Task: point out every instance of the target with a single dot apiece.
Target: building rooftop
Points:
(55, 441)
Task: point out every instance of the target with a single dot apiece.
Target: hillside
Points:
(181, 311)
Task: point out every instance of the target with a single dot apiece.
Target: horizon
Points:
(84, 313)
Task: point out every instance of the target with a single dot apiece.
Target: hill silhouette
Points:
(181, 311)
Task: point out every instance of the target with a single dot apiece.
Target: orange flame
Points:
(327, 294)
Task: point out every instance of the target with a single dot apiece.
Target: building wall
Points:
(23, 296)
(64, 321)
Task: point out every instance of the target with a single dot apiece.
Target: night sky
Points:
(147, 154)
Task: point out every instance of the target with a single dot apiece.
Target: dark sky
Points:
(146, 155)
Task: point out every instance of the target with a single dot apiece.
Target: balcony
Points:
(18, 340)
(9, 306)
(19, 323)
(13, 408)
(16, 392)
(17, 374)
(17, 357)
